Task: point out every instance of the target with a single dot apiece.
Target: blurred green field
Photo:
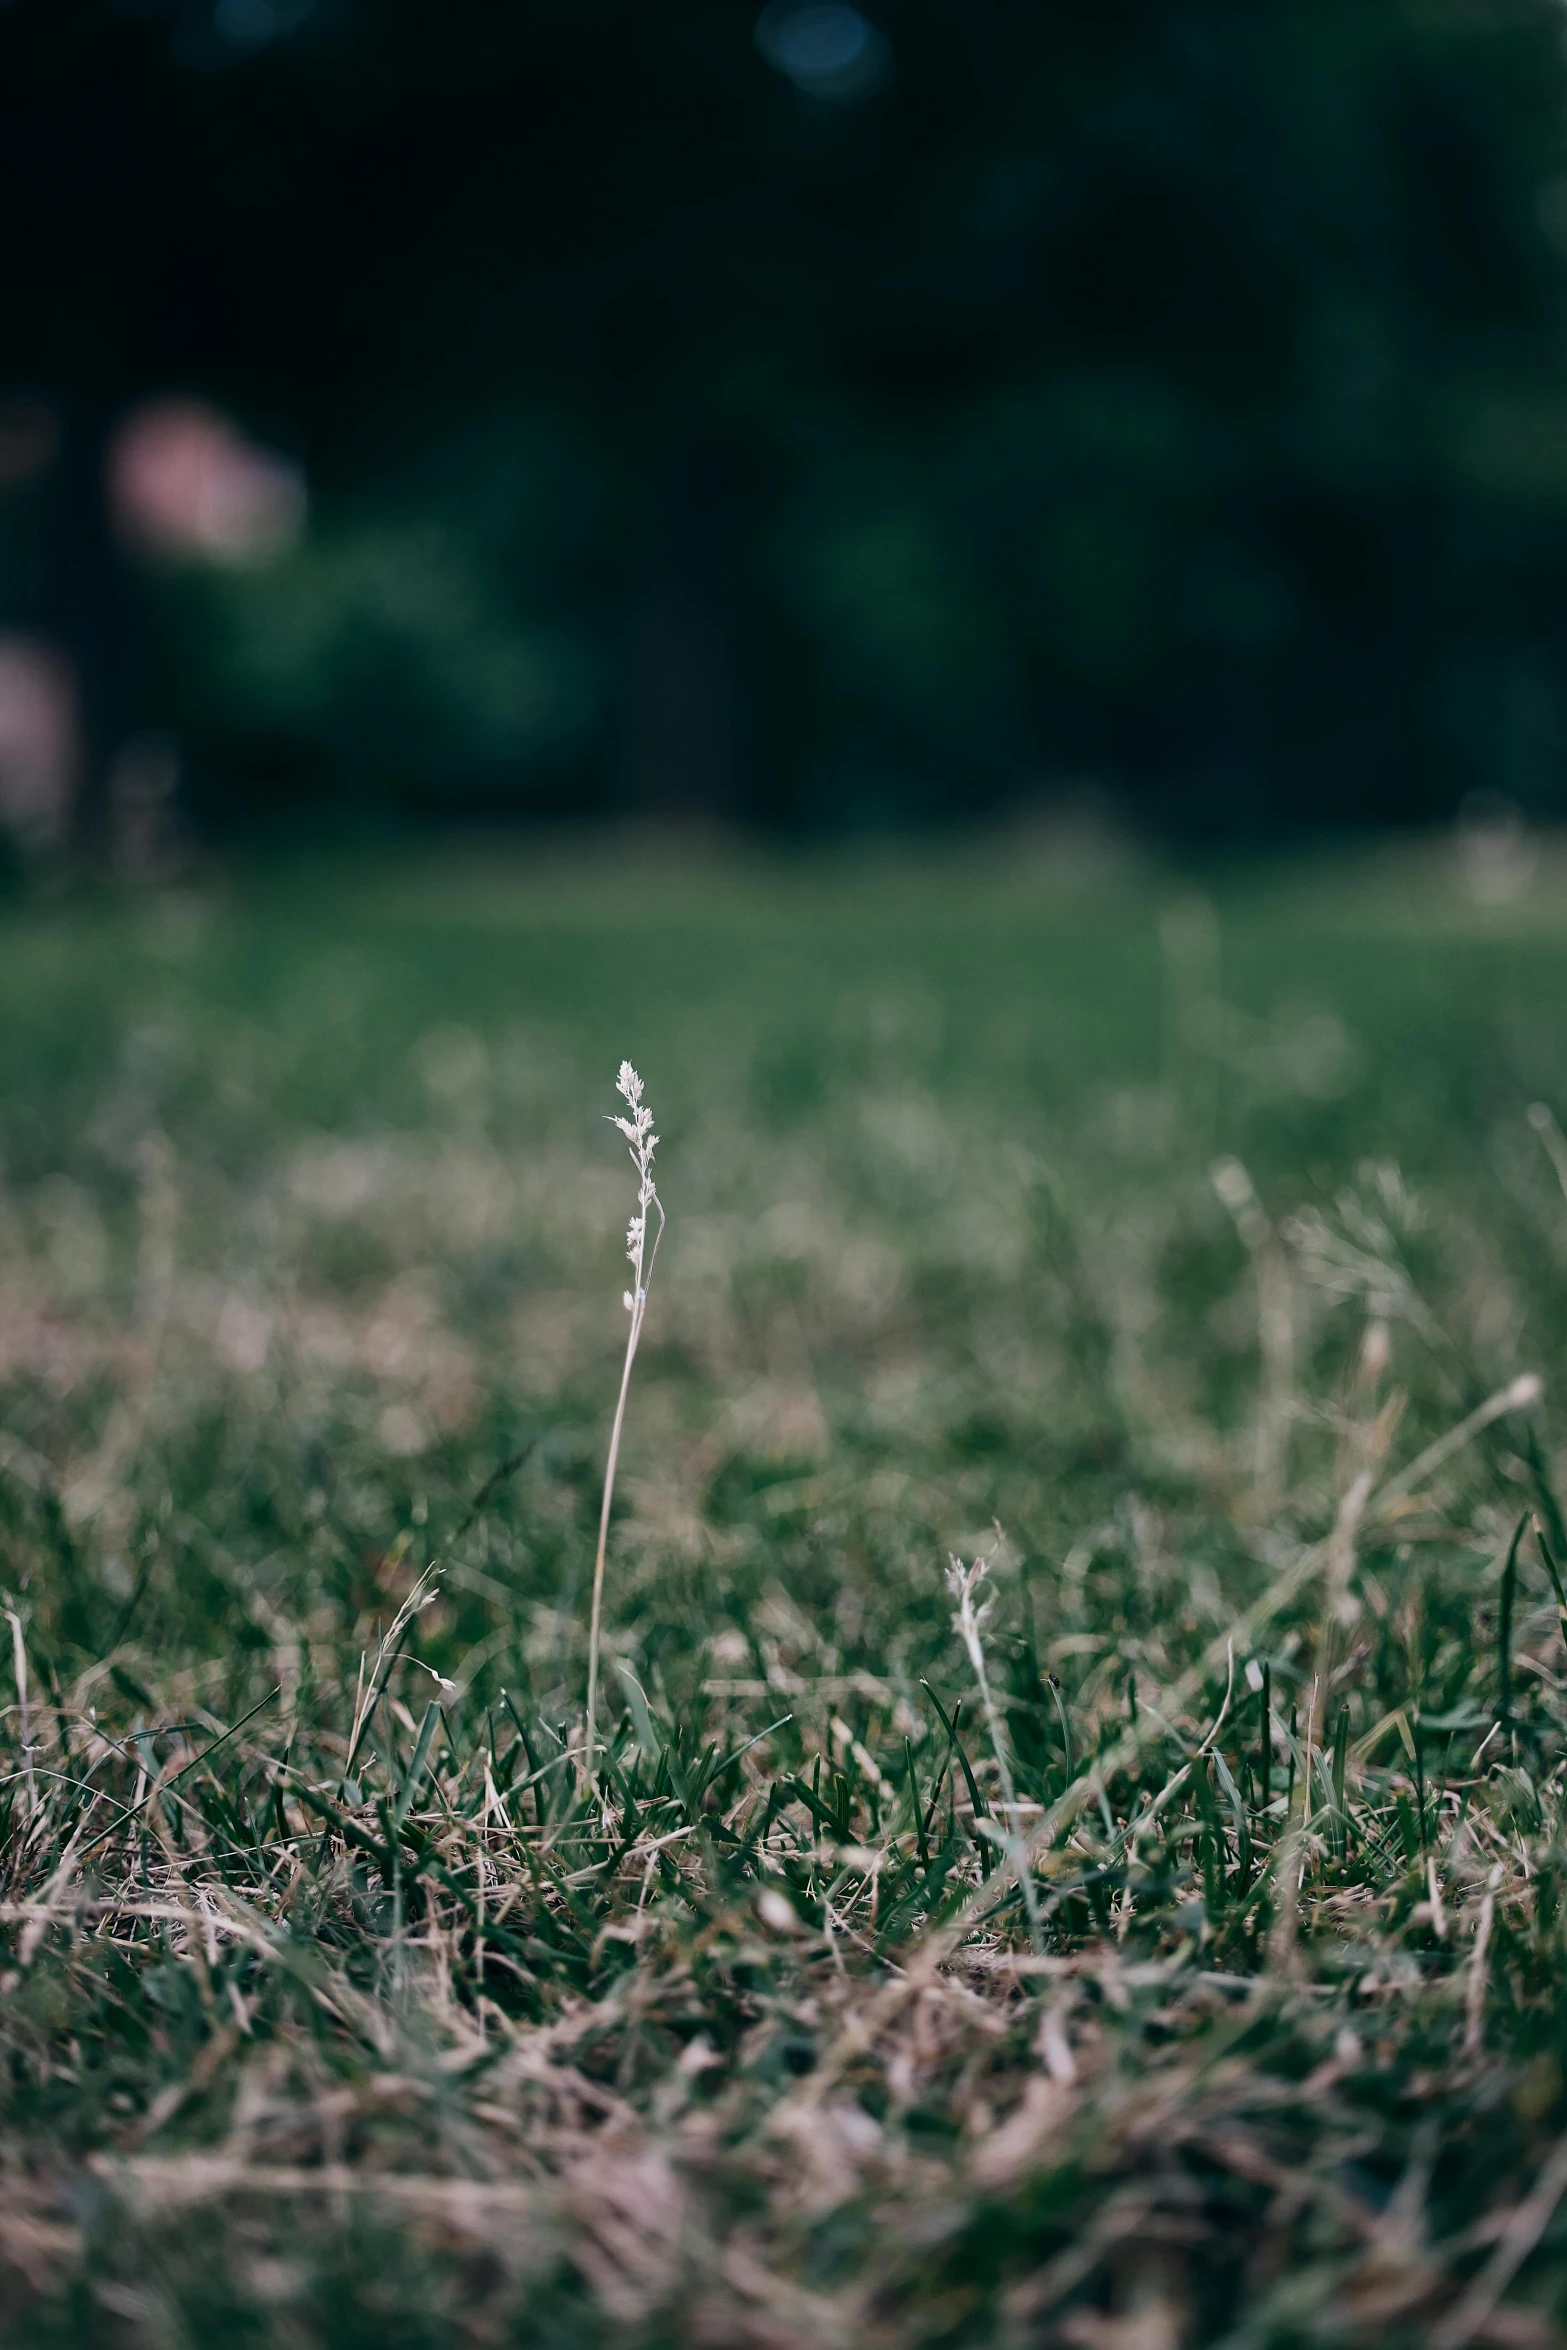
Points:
(1120, 1228)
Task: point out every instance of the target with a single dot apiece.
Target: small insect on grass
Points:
(642, 1142)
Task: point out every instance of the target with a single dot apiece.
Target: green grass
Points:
(788, 2033)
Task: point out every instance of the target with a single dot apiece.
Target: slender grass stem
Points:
(596, 1615)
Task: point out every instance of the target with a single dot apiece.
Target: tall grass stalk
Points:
(642, 1142)
(962, 1582)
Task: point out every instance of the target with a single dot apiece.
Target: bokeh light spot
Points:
(826, 48)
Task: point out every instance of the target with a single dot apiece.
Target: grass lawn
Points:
(1156, 1941)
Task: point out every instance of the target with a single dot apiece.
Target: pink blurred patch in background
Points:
(185, 484)
(40, 744)
(181, 483)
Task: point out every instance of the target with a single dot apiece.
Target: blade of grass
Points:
(205, 1756)
(433, 1719)
(1504, 1626)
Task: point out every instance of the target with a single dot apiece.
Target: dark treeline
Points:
(825, 418)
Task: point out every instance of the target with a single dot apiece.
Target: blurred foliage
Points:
(1160, 393)
(427, 638)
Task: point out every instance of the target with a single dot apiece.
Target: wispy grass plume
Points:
(641, 1142)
